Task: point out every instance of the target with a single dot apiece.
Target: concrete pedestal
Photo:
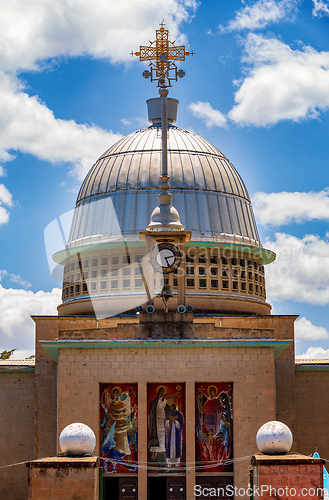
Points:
(286, 477)
(62, 478)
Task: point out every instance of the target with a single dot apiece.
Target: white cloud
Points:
(138, 121)
(260, 14)
(320, 8)
(212, 117)
(314, 353)
(305, 330)
(27, 125)
(3, 274)
(301, 270)
(4, 216)
(33, 31)
(15, 278)
(284, 207)
(126, 123)
(5, 196)
(22, 353)
(5, 199)
(16, 307)
(282, 84)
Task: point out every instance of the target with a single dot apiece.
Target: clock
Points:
(165, 257)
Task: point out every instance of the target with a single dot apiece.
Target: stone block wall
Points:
(45, 429)
(250, 369)
(312, 407)
(16, 432)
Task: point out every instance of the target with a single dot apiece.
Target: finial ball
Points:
(274, 438)
(163, 91)
(77, 440)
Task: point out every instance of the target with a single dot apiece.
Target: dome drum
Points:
(216, 279)
(106, 306)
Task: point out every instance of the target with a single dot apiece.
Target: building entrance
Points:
(166, 488)
(120, 488)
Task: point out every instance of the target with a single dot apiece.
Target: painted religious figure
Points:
(119, 427)
(174, 423)
(214, 427)
(166, 434)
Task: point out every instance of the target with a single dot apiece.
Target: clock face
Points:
(166, 258)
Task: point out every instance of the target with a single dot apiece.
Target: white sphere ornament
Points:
(274, 438)
(77, 440)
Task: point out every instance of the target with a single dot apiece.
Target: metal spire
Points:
(162, 54)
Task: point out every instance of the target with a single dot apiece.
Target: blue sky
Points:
(257, 88)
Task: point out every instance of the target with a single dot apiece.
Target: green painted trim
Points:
(52, 347)
(267, 256)
(18, 369)
(251, 483)
(101, 489)
(312, 368)
(61, 256)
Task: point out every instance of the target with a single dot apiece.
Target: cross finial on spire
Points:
(162, 54)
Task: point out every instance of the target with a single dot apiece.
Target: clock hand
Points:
(166, 259)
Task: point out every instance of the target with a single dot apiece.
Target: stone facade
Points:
(312, 407)
(16, 429)
(254, 353)
(250, 369)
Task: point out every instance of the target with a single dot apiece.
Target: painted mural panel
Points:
(214, 427)
(166, 425)
(118, 426)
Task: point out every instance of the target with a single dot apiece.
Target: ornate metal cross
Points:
(162, 54)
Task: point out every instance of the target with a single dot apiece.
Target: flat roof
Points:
(17, 365)
(311, 365)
